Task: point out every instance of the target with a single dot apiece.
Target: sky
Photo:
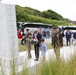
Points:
(66, 8)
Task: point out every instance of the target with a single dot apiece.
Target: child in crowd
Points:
(43, 48)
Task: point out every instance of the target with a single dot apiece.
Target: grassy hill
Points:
(25, 14)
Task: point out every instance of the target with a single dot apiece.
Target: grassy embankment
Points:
(23, 47)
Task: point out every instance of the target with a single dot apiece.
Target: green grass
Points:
(24, 48)
(55, 67)
(61, 67)
(51, 67)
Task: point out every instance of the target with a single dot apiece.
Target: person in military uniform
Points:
(57, 41)
(28, 37)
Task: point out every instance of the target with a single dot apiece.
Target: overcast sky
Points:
(66, 8)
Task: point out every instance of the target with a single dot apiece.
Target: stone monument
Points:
(8, 36)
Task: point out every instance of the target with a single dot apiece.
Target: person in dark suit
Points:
(74, 36)
(37, 36)
(68, 37)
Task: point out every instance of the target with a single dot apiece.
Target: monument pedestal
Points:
(8, 38)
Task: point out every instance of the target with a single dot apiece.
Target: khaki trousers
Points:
(57, 52)
(28, 49)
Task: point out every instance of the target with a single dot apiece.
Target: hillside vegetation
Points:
(27, 14)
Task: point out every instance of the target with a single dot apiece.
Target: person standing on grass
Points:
(23, 35)
(74, 36)
(43, 48)
(68, 37)
(57, 41)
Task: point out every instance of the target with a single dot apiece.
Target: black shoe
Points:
(36, 60)
(21, 44)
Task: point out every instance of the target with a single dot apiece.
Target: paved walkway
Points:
(65, 52)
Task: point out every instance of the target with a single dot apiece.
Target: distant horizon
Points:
(65, 8)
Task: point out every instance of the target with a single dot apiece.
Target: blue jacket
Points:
(68, 35)
(74, 35)
(43, 47)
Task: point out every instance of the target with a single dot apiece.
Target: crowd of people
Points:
(37, 38)
(45, 32)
